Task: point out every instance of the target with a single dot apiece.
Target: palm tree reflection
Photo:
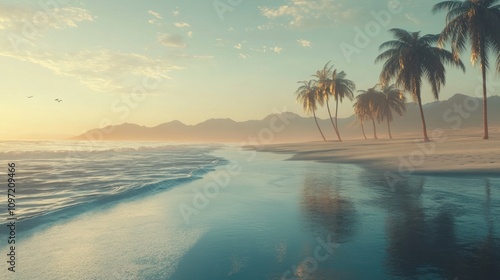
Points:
(327, 212)
(421, 238)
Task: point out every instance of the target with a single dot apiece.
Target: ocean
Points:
(183, 211)
(61, 177)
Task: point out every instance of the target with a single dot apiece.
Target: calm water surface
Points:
(275, 219)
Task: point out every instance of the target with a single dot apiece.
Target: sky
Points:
(154, 61)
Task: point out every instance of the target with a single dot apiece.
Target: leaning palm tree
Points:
(390, 99)
(409, 58)
(476, 21)
(307, 96)
(323, 91)
(340, 88)
(364, 107)
(362, 113)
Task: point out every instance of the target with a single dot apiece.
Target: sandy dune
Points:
(449, 152)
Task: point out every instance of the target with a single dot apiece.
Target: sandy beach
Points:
(449, 152)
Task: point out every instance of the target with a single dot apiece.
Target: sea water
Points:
(268, 218)
(68, 176)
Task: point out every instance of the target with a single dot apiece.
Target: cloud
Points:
(101, 70)
(276, 49)
(175, 13)
(309, 14)
(238, 46)
(171, 40)
(190, 34)
(411, 18)
(244, 56)
(18, 19)
(155, 14)
(181, 24)
(304, 43)
(219, 42)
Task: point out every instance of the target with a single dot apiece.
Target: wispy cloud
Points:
(412, 18)
(307, 14)
(244, 56)
(101, 70)
(15, 18)
(276, 49)
(171, 40)
(182, 24)
(238, 46)
(155, 14)
(156, 17)
(304, 43)
(219, 42)
(190, 34)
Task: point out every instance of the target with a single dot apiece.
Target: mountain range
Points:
(460, 111)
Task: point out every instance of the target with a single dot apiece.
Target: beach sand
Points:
(449, 152)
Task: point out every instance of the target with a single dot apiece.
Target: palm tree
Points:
(307, 96)
(476, 21)
(390, 99)
(341, 88)
(362, 114)
(410, 58)
(364, 108)
(323, 91)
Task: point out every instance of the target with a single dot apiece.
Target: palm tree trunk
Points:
(485, 101)
(314, 113)
(374, 129)
(389, 128)
(331, 119)
(363, 129)
(426, 138)
(336, 118)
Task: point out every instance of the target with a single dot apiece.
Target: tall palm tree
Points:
(390, 98)
(476, 21)
(364, 107)
(323, 91)
(409, 58)
(341, 88)
(307, 96)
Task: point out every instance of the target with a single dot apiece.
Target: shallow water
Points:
(277, 219)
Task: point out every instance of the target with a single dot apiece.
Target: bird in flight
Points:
(58, 100)
(30, 96)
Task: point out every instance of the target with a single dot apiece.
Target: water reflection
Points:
(424, 241)
(326, 210)
(327, 213)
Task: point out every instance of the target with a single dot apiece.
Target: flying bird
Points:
(58, 100)
(30, 96)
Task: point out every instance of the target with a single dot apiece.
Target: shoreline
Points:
(448, 154)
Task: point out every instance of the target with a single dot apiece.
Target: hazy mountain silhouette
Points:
(458, 112)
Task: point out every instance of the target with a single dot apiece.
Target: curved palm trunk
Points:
(331, 119)
(389, 128)
(374, 129)
(485, 101)
(336, 118)
(426, 138)
(314, 113)
(363, 129)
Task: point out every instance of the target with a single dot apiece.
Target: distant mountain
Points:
(460, 111)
